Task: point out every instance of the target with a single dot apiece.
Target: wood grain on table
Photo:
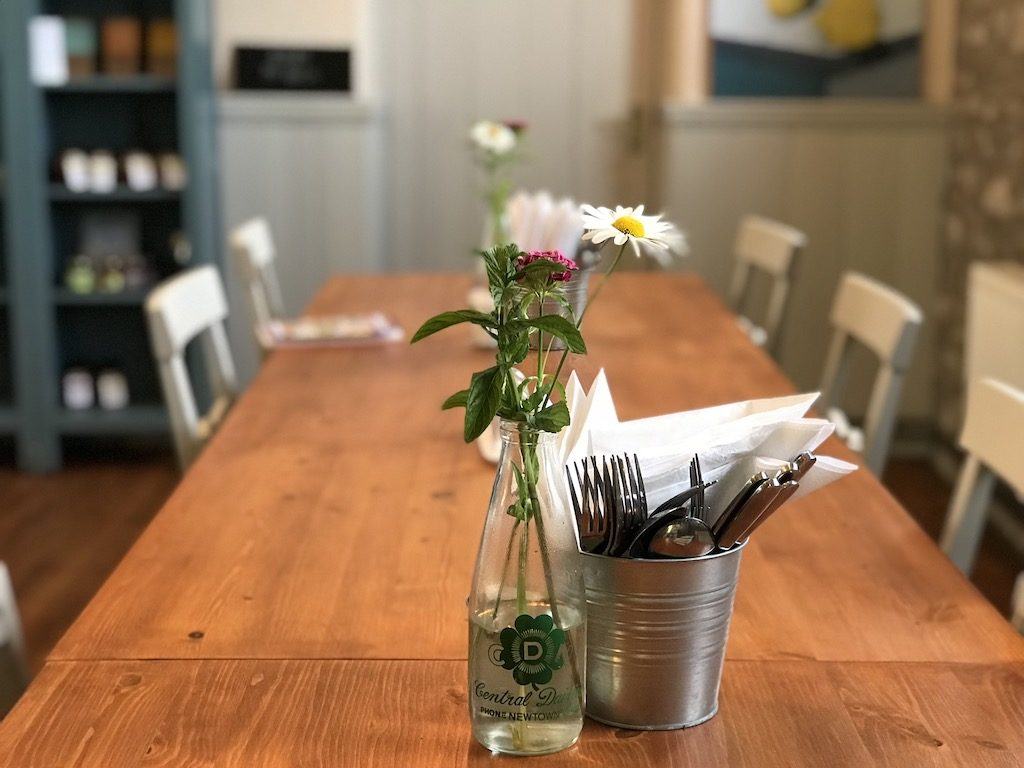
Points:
(338, 513)
(300, 600)
(278, 714)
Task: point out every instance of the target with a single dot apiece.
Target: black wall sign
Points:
(292, 69)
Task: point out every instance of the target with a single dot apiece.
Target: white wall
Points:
(443, 64)
(312, 166)
(325, 23)
(387, 183)
(864, 180)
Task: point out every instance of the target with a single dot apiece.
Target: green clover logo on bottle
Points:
(531, 649)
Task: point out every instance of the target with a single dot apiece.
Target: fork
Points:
(634, 493)
(611, 502)
(591, 516)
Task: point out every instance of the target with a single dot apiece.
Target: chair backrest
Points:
(993, 439)
(887, 323)
(994, 430)
(770, 247)
(995, 317)
(256, 257)
(13, 661)
(190, 306)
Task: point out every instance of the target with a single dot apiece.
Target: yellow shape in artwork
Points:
(850, 25)
(787, 7)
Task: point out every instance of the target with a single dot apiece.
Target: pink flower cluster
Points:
(555, 256)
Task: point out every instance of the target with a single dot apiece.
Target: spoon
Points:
(681, 538)
(639, 545)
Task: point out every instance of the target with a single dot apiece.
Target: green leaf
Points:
(535, 399)
(458, 400)
(448, 319)
(553, 418)
(482, 402)
(558, 326)
(516, 348)
(544, 267)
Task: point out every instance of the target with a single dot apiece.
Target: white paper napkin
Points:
(733, 441)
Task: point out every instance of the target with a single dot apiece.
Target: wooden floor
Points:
(62, 534)
(926, 496)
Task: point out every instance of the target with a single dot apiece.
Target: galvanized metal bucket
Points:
(656, 632)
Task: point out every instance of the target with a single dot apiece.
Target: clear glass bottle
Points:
(527, 607)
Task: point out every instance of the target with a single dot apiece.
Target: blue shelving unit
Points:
(43, 327)
(8, 410)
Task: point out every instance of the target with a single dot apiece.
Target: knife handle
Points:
(747, 513)
(785, 492)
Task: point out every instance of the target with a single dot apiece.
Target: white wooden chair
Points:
(255, 256)
(993, 437)
(190, 306)
(13, 662)
(770, 247)
(887, 323)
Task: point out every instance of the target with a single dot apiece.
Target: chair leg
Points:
(966, 519)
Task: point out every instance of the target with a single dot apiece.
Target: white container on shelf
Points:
(48, 55)
(112, 390)
(78, 388)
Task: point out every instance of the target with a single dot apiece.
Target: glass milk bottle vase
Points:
(527, 632)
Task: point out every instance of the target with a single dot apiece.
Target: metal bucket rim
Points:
(669, 562)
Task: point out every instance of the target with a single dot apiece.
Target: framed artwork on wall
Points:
(817, 48)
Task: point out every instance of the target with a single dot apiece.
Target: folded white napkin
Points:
(733, 441)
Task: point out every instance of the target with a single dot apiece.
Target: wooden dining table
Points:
(300, 599)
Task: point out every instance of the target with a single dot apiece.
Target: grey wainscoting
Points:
(864, 180)
(311, 165)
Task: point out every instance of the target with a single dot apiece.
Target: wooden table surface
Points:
(300, 600)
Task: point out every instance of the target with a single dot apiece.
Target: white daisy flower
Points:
(677, 246)
(630, 225)
(493, 137)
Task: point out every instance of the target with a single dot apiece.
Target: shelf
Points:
(129, 298)
(111, 84)
(133, 420)
(61, 194)
(44, 327)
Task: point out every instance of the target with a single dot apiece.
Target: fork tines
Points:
(610, 502)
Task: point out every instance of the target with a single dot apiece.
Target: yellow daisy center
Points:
(629, 226)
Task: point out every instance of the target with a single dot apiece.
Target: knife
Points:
(738, 501)
(785, 492)
(748, 512)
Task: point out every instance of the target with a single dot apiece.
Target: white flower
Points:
(493, 137)
(677, 246)
(630, 225)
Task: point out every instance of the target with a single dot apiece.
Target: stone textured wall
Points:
(985, 197)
